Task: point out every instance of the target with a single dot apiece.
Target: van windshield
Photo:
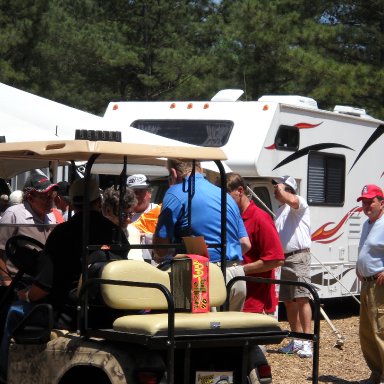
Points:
(205, 133)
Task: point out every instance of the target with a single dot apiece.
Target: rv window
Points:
(326, 175)
(287, 138)
(206, 133)
(263, 194)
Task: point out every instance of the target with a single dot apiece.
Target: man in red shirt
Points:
(266, 252)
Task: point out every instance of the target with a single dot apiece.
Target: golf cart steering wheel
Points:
(24, 252)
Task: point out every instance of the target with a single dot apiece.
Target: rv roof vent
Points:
(300, 101)
(228, 95)
(350, 111)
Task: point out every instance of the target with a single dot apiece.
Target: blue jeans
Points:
(17, 312)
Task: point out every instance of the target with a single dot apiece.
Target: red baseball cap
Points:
(370, 191)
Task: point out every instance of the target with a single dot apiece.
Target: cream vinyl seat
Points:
(150, 324)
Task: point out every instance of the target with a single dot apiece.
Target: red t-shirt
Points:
(266, 245)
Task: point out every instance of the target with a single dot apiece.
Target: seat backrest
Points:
(124, 297)
(217, 289)
(127, 297)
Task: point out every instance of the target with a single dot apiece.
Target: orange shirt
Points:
(58, 216)
(147, 221)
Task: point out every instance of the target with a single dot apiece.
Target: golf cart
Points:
(156, 342)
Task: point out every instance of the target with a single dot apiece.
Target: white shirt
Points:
(134, 237)
(294, 226)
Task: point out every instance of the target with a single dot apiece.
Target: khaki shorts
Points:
(296, 267)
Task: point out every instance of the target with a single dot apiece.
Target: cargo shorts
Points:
(296, 267)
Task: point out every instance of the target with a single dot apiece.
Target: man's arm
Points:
(245, 245)
(33, 294)
(4, 277)
(42, 284)
(261, 266)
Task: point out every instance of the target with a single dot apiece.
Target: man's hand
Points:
(4, 276)
(285, 197)
(159, 253)
(23, 295)
(380, 278)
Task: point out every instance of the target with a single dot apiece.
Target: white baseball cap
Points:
(138, 181)
(287, 180)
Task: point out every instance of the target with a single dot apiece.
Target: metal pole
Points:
(340, 339)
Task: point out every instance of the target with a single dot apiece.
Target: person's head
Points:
(142, 189)
(287, 183)
(111, 203)
(4, 202)
(39, 192)
(4, 199)
(62, 200)
(77, 192)
(16, 197)
(178, 169)
(372, 201)
(237, 188)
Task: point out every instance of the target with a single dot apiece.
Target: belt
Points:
(305, 250)
(229, 263)
(369, 278)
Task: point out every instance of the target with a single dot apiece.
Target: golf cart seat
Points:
(152, 325)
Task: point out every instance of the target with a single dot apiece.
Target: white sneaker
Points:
(293, 347)
(306, 350)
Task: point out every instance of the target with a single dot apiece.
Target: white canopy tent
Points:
(26, 117)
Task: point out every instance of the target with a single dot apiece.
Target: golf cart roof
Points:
(23, 156)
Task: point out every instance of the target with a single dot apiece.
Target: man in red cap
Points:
(34, 215)
(370, 270)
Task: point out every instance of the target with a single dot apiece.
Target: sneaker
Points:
(306, 350)
(293, 347)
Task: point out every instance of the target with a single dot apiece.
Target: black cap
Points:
(63, 189)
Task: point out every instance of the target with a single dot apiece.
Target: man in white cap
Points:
(34, 215)
(143, 191)
(143, 222)
(293, 226)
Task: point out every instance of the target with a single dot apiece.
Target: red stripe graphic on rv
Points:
(323, 236)
(306, 125)
(299, 126)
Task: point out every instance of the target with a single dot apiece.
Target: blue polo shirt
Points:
(206, 217)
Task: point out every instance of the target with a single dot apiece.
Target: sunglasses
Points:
(124, 215)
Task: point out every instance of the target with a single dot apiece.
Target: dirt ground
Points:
(336, 365)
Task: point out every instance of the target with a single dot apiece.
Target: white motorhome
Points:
(332, 155)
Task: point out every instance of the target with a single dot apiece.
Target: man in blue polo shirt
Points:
(205, 221)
